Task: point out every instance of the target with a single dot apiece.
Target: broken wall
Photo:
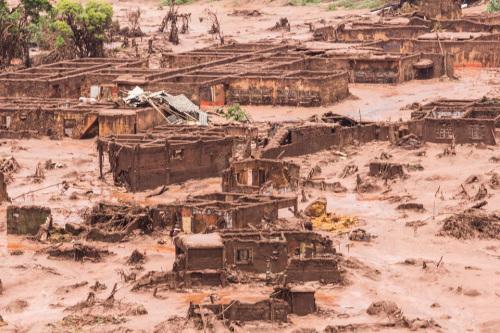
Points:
(256, 256)
(3, 189)
(249, 176)
(312, 138)
(204, 258)
(467, 53)
(143, 167)
(441, 9)
(365, 34)
(461, 130)
(313, 269)
(274, 310)
(294, 91)
(26, 220)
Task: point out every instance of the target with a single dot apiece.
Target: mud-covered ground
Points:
(454, 282)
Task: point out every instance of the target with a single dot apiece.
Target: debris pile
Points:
(77, 252)
(282, 24)
(410, 142)
(417, 207)
(112, 223)
(472, 224)
(174, 109)
(136, 258)
(386, 308)
(349, 170)
(386, 170)
(93, 311)
(9, 166)
(365, 185)
(360, 235)
(246, 12)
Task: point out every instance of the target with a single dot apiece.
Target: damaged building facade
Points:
(173, 154)
(300, 301)
(447, 42)
(297, 255)
(215, 211)
(59, 117)
(197, 214)
(444, 121)
(255, 175)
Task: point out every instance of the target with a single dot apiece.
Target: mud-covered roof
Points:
(200, 241)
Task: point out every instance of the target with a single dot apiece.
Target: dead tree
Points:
(171, 14)
(134, 18)
(173, 36)
(215, 28)
(185, 18)
(169, 23)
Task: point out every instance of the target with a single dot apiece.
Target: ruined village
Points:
(300, 166)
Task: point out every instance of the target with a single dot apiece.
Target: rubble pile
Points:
(9, 166)
(410, 142)
(472, 224)
(112, 223)
(77, 252)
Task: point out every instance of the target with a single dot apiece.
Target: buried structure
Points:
(197, 214)
(254, 175)
(445, 121)
(258, 74)
(59, 117)
(215, 259)
(173, 154)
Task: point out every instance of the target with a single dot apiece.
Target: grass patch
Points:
(303, 2)
(177, 2)
(493, 6)
(356, 4)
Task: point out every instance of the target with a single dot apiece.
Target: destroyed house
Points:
(368, 32)
(172, 154)
(270, 309)
(362, 66)
(248, 74)
(300, 299)
(71, 118)
(199, 260)
(262, 251)
(203, 213)
(439, 122)
(256, 251)
(466, 49)
(462, 121)
(261, 74)
(87, 77)
(254, 175)
(373, 66)
(308, 138)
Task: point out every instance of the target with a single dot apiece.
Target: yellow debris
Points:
(322, 220)
(334, 223)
